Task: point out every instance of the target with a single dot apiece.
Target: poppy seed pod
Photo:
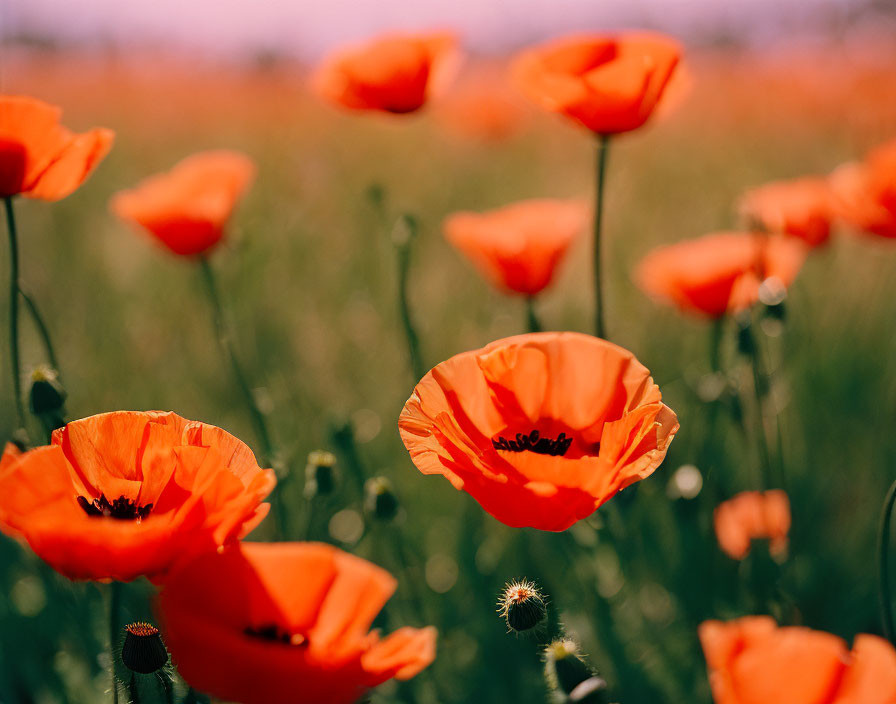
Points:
(379, 498)
(320, 473)
(522, 606)
(143, 650)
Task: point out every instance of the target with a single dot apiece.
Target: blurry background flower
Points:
(865, 192)
(753, 515)
(802, 208)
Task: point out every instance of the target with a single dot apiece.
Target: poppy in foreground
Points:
(606, 83)
(750, 516)
(519, 246)
(39, 158)
(396, 73)
(752, 660)
(124, 494)
(801, 208)
(865, 192)
(719, 273)
(274, 622)
(187, 208)
(541, 429)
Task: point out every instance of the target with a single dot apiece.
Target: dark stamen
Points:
(273, 632)
(533, 442)
(121, 508)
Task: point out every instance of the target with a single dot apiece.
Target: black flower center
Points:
(272, 632)
(121, 508)
(533, 442)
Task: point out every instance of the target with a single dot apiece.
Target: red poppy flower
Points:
(753, 661)
(541, 429)
(396, 73)
(865, 193)
(801, 208)
(719, 273)
(40, 158)
(125, 494)
(187, 208)
(263, 623)
(752, 515)
(606, 83)
(519, 246)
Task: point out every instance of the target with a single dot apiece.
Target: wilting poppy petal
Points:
(125, 494)
(518, 247)
(187, 208)
(865, 192)
(751, 516)
(719, 273)
(801, 208)
(753, 661)
(261, 623)
(395, 73)
(606, 83)
(540, 429)
(40, 158)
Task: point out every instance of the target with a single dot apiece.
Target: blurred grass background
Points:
(309, 276)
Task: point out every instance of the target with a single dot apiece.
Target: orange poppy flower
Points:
(395, 73)
(40, 158)
(719, 273)
(519, 246)
(753, 661)
(124, 494)
(187, 208)
(606, 83)
(274, 622)
(865, 193)
(753, 515)
(541, 429)
(801, 208)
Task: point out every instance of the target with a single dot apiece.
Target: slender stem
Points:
(114, 630)
(406, 230)
(532, 322)
(885, 585)
(14, 286)
(42, 328)
(760, 381)
(715, 344)
(603, 145)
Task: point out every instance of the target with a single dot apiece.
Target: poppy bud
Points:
(143, 650)
(567, 673)
(320, 473)
(47, 395)
(379, 499)
(522, 606)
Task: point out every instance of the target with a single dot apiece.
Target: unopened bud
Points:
(564, 667)
(522, 605)
(379, 498)
(47, 395)
(320, 473)
(143, 650)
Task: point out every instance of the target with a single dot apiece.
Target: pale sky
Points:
(306, 27)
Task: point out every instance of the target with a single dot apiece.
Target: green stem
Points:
(42, 328)
(603, 145)
(532, 322)
(114, 631)
(760, 382)
(406, 231)
(715, 344)
(14, 287)
(885, 585)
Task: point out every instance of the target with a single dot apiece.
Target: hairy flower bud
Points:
(47, 394)
(379, 498)
(522, 606)
(320, 473)
(143, 650)
(568, 675)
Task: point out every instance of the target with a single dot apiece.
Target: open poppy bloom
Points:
(277, 622)
(124, 494)
(541, 429)
(606, 83)
(519, 246)
(187, 208)
(753, 661)
(801, 208)
(39, 158)
(719, 273)
(753, 515)
(865, 193)
(395, 73)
